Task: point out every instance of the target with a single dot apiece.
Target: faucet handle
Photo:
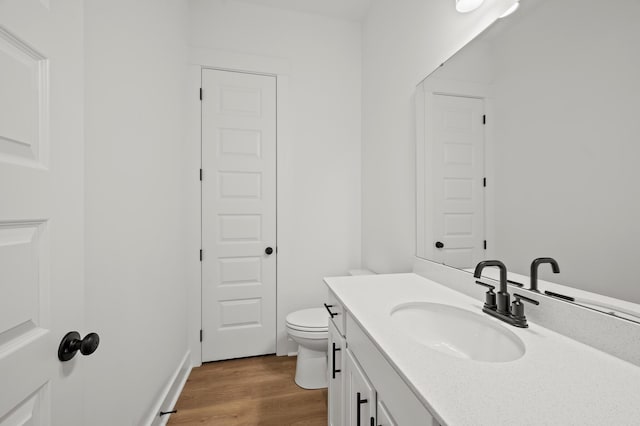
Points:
(517, 309)
(491, 287)
(525, 298)
(490, 296)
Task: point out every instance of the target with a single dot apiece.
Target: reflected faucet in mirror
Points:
(534, 270)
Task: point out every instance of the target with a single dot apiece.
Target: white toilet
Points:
(309, 328)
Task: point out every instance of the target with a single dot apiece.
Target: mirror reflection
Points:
(529, 147)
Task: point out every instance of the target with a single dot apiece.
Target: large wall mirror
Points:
(529, 146)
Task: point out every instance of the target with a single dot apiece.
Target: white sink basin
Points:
(457, 332)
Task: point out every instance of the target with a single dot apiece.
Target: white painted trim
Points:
(233, 61)
(421, 159)
(170, 393)
(193, 215)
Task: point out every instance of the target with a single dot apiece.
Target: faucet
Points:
(515, 315)
(503, 294)
(534, 270)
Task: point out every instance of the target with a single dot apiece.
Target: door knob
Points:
(439, 244)
(268, 250)
(71, 343)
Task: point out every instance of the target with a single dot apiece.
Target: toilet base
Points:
(311, 368)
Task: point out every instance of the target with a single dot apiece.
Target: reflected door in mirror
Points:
(454, 200)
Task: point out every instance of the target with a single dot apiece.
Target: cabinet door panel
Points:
(337, 348)
(360, 397)
(384, 418)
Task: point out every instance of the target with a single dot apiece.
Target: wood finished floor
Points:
(249, 391)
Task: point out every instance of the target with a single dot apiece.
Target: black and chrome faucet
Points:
(497, 305)
(534, 270)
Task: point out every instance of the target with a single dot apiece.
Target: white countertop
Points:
(558, 381)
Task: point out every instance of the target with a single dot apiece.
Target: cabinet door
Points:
(384, 418)
(337, 347)
(360, 397)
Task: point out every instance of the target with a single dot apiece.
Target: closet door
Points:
(41, 211)
(238, 214)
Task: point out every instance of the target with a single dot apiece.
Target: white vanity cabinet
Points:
(366, 383)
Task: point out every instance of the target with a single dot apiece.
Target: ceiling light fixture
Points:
(512, 9)
(464, 6)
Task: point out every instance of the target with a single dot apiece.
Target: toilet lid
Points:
(314, 318)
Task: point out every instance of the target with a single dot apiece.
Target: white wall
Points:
(136, 297)
(402, 43)
(319, 224)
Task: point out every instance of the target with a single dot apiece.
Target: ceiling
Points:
(352, 10)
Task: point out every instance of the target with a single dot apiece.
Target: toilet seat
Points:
(314, 320)
(311, 335)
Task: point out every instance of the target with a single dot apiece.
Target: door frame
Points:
(253, 64)
(424, 99)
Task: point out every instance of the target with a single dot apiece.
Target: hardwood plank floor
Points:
(249, 391)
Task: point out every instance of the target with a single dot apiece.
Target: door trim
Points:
(252, 64)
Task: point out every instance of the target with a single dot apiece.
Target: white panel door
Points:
(238, 214)
(457, 173)
(41, 210)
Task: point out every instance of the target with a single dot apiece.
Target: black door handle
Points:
(71, 344)
(327, 307)
(268, 250)
(439, 244)
(360, 402)
(333, 363)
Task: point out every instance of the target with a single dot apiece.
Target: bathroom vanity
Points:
(405, 350)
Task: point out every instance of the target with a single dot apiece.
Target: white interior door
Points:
(238, 214)
(457, 174)
(41, 210)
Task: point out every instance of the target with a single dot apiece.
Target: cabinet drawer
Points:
(338, 313)
(402, 404)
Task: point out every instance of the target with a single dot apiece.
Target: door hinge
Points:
(201, 255)
(201, 93)
(484, 117)
(201, 335)
(485, 244)
(200, 175)
(484, 182)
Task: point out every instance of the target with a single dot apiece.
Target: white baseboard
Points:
(170, 393)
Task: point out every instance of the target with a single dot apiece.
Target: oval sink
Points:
(457, 332)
